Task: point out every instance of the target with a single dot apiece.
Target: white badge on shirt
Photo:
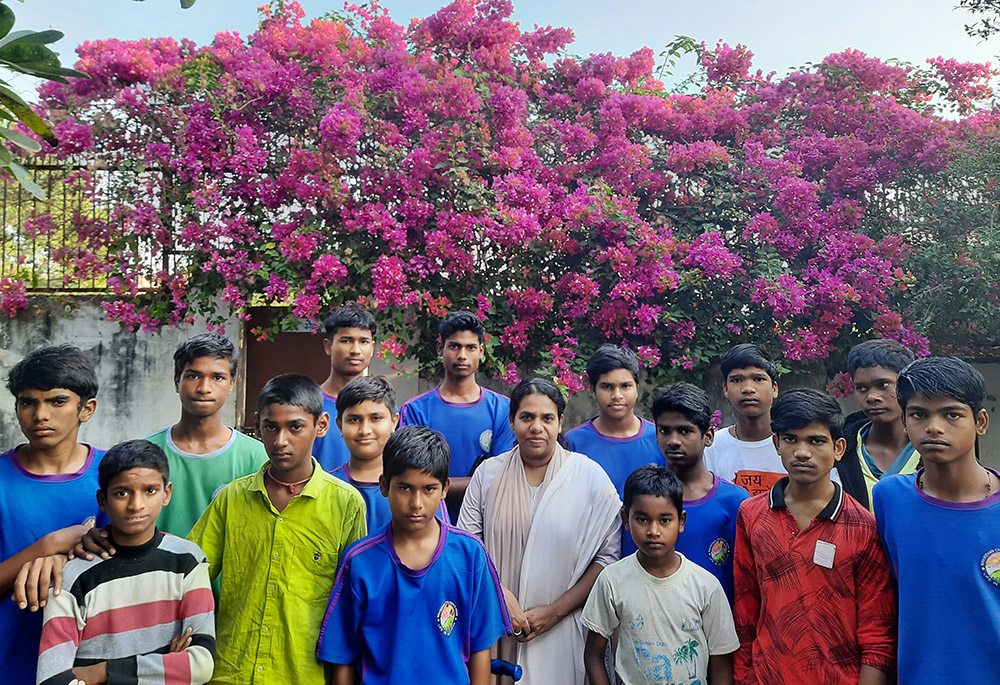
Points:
(823, 556)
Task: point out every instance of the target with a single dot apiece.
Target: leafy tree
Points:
(988, 22)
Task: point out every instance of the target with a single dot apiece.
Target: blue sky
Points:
(781, 33)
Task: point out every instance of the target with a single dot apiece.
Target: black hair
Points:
(133, 454)
(609, 358)
(351, 315)
(688, 400)
(363, 388)
(655, 480)
(294, 390)
(205, 345)
(536, 386)
(60, 366)
(461, 321)
(746, 355)
(888, 354)
(942, 377)
(419, 448)
(799, 407)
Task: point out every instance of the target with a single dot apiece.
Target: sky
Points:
(781, 33)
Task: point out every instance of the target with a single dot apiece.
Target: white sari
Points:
(541, 555)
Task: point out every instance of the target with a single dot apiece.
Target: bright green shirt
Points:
(198, 477)
(277, 572)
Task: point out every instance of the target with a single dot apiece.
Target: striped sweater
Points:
(125, 610)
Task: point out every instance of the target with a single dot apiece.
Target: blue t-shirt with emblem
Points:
(330, 450)
(377, 512)
(945, 557)
(31, 507)
(395, 622)
(471, 429)
(710, 531)
(619, 457)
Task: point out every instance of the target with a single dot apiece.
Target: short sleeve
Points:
(339, 634)
(491, 621)
(503, 436)
(717, 619)
(599, 613)
(611, 548)
(209, 532)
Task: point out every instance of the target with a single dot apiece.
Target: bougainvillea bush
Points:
(462, 162)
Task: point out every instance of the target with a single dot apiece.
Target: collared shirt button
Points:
(280, 519)
(276, 555)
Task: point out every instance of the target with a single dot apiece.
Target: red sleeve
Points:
(876, 606)
(746, 609)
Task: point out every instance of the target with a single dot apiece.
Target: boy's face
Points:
(350, 351)
(205, 385)
(750, 391)
(681, 441)
(414, 498)
(809, 453)
(132, 501)
(654, 524)
(616, 393)
(943, 429)
(461, 354)
(288, 433)
(875, 388)
(49, 417)
(366, 428)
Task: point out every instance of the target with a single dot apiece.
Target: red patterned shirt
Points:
(811, 606)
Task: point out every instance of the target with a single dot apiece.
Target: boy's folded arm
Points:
(61, 634)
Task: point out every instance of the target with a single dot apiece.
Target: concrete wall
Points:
(134, 370)
(137, 396)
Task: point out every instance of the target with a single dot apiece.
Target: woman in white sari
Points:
(550, 520)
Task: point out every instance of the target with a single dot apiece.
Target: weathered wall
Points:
(137, 397)
(134, 370)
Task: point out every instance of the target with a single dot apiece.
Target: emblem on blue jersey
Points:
(486, 441)
(637, 623)
(990, 566)
(718, 551)
(447, 617)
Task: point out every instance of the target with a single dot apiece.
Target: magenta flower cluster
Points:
(462, 162)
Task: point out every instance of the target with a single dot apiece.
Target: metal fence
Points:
(41, 239)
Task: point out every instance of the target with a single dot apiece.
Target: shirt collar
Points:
(312, 487)
(776, 499)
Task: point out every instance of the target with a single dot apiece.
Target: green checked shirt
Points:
(277, 570)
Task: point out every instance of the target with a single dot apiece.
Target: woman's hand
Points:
(541, 620)
(517, 618)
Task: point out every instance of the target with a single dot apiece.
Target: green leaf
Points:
(28, 56)
(24, 178)
(20, 109)
(31, 37)
(187, 4)
(6, 20)
(21, 140)
(5, 156)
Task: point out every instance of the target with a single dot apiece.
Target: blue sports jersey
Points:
(619, 457)
(710, 531)
(471, 430)
(31, 507)
(395, 622)
(945, 557)
(330, 450)
(377, 513)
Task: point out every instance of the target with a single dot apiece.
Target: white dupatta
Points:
(576, 509)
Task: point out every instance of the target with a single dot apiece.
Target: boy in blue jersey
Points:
(349, 343)
(876, 440)
(473, 419)
(366, 409)
(941, 529)
(616, 438)
(683, 418)
(419, 601)
(47, 487)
